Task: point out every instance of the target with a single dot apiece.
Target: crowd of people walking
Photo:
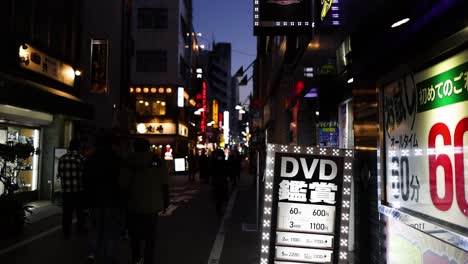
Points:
(123, 191)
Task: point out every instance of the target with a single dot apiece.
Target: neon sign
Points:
(203, 121)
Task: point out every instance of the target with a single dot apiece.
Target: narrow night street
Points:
(234, 132)
(188, 233)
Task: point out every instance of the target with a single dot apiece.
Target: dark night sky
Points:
(228, 21)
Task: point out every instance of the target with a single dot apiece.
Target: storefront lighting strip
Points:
(431, 229)
(35, 160)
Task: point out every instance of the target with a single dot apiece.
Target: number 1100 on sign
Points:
(313, 226)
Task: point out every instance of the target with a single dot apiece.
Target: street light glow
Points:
(401, 22)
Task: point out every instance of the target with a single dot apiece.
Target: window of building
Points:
(151, 61)
(152, 18)
(159, 108)
(25, 174)
(150, 107)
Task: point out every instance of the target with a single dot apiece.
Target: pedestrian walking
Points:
(204, 166)
(234, 164)
(219, 180)
(148, 194)
(70, 173)
(105, 198)
(192, 161)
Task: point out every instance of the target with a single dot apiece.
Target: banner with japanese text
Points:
(99, 66)
(306, 205)
(426, 142)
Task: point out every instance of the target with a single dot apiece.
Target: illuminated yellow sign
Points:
(326, 4)
(215, 113)
(157, 128)
(37, 61)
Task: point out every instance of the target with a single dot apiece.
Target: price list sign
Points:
(306, 205)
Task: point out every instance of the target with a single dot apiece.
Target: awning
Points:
(31, 95)
(24, 116)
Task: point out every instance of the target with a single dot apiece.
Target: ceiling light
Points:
(141, 128)
(350, 80)
(401, 22)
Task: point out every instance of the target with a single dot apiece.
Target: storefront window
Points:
(28, 176)
(159, 108)
(150, 107)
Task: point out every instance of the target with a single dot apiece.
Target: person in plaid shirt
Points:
(70, 173)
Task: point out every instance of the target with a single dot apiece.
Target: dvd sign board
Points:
(306, 205)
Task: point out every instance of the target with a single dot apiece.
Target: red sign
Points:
(203, 121)
(453, 183)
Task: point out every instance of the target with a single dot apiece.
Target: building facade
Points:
(216, 64)
(378, 80)
(105, 51)
(161, 72)
(39, 101)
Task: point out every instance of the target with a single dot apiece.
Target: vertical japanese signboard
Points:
(99, 66)
(426, 143)
(306, 205)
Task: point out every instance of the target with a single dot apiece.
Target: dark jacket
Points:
(219, 168)
(148, 183)
(102, 180)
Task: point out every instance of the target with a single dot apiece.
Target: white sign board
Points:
(179, 164)
(307, 255)
(426, 142)
(303, 240)
(306, 205)
(297, 217)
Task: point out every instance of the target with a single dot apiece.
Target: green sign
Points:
(446, 88)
